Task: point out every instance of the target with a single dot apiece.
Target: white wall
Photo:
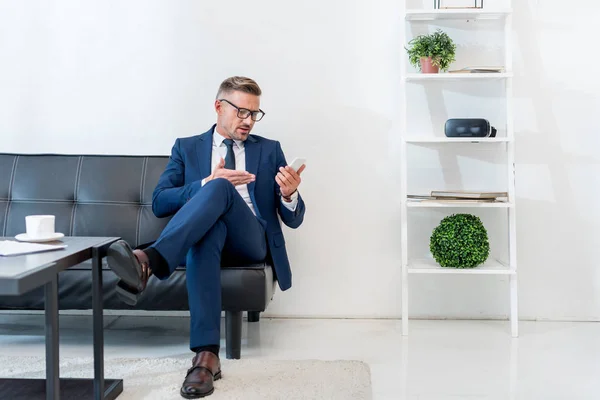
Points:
(117, 77)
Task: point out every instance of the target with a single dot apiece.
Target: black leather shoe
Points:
(206, 368)
(132, 266)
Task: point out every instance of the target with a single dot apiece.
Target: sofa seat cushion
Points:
(244, 288)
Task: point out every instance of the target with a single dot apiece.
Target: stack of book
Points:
(461, 196)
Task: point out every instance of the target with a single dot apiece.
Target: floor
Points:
(439, 360)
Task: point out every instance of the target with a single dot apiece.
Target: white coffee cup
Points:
(39, 226)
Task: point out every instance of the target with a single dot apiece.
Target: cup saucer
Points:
(23, 237)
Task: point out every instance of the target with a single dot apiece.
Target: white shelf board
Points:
(418, 140)
(446, 76)
(448, 204)
(468, 14)
(429, 266)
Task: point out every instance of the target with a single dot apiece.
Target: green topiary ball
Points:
(460, 241)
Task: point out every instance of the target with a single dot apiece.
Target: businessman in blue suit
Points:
(224, 190)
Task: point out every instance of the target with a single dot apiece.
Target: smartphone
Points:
(297, 163)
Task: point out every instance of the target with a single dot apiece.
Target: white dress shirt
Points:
(219, 150)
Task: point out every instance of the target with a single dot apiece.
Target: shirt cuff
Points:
(292, 204)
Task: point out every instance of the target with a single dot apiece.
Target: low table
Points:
(20, 274)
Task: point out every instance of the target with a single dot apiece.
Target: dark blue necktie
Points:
(230, 157)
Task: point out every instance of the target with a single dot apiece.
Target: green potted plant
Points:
(460, 241)
(433, 52)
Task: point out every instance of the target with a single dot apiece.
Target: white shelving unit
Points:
(490, 267)
(424, 141)
(470, 14)
(457, 77)
(433, 204)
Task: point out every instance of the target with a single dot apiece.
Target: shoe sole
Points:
(200, 395)
(126, 294)
(124, 264)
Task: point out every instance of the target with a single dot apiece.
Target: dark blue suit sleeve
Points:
(292, 219)
(170, 193)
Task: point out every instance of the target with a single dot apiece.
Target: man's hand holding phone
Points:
(288, 178)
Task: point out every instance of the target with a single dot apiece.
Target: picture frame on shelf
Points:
(457, 4)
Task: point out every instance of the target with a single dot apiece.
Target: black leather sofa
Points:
(100, 195)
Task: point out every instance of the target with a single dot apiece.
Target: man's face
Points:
(227, 115)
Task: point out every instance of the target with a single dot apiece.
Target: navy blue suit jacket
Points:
(190, 162)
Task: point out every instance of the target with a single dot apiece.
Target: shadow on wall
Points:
(559, 239)
(434, 93)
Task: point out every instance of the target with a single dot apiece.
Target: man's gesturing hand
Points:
(233, 176)
(288, 180)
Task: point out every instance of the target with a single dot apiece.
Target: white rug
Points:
(247, 379)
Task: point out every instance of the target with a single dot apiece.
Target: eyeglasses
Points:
(243, 113)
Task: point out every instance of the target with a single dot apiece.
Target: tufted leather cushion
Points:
(90, 195)
(98, 195)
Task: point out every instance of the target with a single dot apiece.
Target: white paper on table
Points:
(12, 248)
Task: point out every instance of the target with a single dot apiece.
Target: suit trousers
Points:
(216, 221)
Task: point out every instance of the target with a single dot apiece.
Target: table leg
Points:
(52, 346)
(97, 309)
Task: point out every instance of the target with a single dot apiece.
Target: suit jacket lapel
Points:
(204, 152)
(252, 149)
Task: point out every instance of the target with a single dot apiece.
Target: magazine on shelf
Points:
(457, 196)
(464, 194)
(478, 70)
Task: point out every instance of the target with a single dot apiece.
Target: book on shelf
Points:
(478, 70)
(422, 199)
(460, 196)
(464, 194)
